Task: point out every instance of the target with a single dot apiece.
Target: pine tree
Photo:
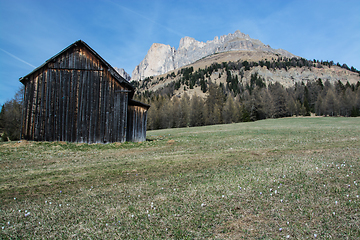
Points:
(10, 116)
(197, 117)
(229, 109)
(331, 103)
(278, 94)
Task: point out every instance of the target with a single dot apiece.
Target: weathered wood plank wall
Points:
(137, 119)
(75, 98)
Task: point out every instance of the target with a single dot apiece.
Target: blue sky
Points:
(32, 31)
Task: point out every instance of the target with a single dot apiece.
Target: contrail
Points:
(17, 58)
(148, 19)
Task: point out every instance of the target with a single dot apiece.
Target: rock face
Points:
(158, 60)
(162, 58)
(122, 73)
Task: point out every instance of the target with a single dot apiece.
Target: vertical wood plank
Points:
(56, 106)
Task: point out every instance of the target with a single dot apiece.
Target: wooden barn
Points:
(76, 96)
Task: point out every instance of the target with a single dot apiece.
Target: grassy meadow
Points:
(291, 178)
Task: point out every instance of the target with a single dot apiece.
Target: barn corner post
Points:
(22, 113)
(72, 97)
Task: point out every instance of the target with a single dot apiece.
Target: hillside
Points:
(287, 76)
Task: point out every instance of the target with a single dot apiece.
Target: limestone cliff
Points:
(122, 73)
(162, 58)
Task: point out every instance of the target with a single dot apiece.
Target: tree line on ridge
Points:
(237, 101)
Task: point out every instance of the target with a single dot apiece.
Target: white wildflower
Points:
(315, 235)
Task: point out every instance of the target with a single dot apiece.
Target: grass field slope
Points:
(290, 178)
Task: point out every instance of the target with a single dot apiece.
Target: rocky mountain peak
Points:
(162, 58)
(122, 73)
(187, 42)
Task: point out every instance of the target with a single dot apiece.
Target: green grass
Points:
(293, 178)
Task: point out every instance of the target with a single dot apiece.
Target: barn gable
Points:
(76, 96)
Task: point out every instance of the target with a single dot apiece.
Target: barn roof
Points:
(113, 72)
(133, 102)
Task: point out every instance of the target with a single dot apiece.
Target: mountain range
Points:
(272, 65)
(163, 58)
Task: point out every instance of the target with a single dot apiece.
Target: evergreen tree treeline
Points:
(254, 102)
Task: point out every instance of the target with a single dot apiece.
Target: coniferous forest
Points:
(243, 101)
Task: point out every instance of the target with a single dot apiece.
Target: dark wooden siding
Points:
(137, 117)
(74, 98)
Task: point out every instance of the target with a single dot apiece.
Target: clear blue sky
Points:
(32, 31)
